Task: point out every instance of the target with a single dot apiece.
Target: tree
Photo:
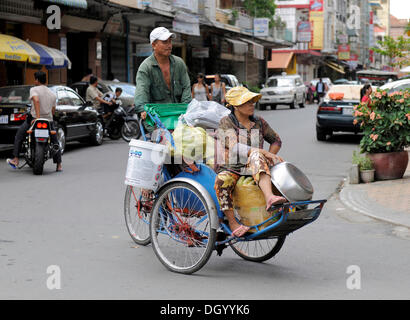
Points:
(396, 50)
(261, 9)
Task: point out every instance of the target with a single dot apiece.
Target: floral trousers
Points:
(226, 180)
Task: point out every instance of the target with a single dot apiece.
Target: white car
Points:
(283, 89)
(396, 85)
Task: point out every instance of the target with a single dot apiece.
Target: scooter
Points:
(122, 123)
(37, 146)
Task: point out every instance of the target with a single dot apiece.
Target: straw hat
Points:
(240, 95)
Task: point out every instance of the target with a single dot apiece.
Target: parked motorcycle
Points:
(37, 146)
(122, 123)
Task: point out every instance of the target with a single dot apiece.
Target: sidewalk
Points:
(387, 200)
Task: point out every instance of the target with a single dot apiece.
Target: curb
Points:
(358, 201)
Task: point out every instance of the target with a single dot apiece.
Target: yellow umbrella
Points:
(15, 49)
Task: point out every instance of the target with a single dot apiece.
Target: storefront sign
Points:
(98, 50)
(63, 45)
(143, 49)
(316, 5)
(304, 31)
(343, 52)
(261, 27)
(342, 38)
(200, 52)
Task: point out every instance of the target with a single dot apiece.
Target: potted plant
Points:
(386, 132)
(366, 168)
(234, 17)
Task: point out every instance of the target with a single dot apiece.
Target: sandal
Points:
(11, 164)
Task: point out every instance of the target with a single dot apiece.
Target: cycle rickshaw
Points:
(185, 225)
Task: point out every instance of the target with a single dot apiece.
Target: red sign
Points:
(316, 5)
(354, 57)
(371, 56)
(343, 52)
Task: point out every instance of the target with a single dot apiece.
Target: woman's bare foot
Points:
(274, 200)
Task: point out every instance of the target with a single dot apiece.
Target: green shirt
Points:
(151, 86)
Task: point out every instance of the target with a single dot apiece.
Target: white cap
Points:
(160, 33)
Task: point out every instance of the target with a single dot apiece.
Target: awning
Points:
(239, 47)
(15, 49)
(258, 51)
(82, 24)
(280, 60)
(335, 67)
(51, 57)
(82, 4)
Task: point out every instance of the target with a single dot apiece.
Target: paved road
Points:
(74, 220)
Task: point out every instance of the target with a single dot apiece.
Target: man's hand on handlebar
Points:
(143, 115)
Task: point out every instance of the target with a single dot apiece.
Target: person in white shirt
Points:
(43, 106)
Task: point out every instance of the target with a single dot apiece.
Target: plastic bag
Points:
(250, 204)
(193, 143)
(205, 114)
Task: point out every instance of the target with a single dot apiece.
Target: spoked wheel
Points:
(130, 130)
(137, 215)
(258, 250)
(181, 233)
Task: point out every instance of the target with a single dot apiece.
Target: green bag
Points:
(167, 113)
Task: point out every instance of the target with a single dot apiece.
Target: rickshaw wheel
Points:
(137, 215)
(258, 250)
(181, 232)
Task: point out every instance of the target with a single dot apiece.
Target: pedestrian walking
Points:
(218, 90)
(200, 90)
(321, 88)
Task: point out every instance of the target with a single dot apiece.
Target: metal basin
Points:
(291, 182)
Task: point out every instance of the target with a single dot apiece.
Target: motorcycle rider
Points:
(43, 106)
(111, 97)
(94, 95)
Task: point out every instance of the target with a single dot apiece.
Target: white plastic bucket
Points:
(145, 160)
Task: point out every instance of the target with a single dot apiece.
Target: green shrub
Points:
(364, 163)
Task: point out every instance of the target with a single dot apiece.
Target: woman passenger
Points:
(238, 133)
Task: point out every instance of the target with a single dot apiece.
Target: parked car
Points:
(341, 81)
(126, 97)
(396, 85)
(75, 119)
(283, 89)
(335, 113)
(230, 80)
